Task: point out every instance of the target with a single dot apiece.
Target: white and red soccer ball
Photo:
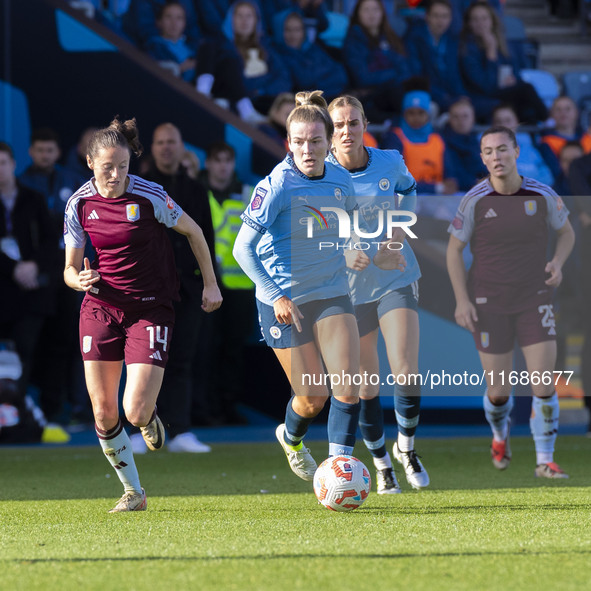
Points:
(342, 483)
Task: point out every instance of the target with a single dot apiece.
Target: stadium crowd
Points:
(432, 76)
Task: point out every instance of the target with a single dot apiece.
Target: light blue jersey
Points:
(383, 184)
(300, 248)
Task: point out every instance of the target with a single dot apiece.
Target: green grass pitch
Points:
(238, 519)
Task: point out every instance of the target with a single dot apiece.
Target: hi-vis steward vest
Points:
(226, 223)
(424, 161)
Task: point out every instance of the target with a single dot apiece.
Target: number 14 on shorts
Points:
(158, 334)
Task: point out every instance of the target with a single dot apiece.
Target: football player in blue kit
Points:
(385, 300)
(290, 248)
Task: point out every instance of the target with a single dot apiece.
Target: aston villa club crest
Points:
(133, 212)
(86, 343)
(384, 184)
(484, 340)
(530, 207)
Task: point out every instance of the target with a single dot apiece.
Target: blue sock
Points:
(407, 403)
(296, 426)
(342, 427)
(371, 425)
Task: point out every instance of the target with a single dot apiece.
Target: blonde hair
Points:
(310, 108)
(347, 100)
(119, 133)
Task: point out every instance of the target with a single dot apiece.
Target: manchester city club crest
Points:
(384, 184)
(275, 332)
(530, 207)
(133, 212)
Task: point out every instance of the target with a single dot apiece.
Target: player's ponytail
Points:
(311, 107)
(119, 133)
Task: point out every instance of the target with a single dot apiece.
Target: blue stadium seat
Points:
(15, 123)
(544, 82)
(334, 36)
(577, 85)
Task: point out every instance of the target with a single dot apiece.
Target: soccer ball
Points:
(342, 483)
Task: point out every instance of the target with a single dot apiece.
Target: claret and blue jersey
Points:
(134, 254)
(300, 246)
(383, 184)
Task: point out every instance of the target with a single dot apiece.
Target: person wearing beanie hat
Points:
(423, 150)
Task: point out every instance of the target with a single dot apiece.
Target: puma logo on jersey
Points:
(93, 215)
(156, 355)
(491, 213)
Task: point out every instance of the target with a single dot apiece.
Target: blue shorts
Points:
(286, 336)
(368, 315)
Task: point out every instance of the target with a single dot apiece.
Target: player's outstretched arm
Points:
(212, 298)
(77, 273)
(465, 313)
(565, 241)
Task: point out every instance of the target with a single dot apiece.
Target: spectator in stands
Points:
(232, 325)
(423, 150)
(174, 401)
(433, 52)
(308, 64)
(191, 163)
(216, 66)
(274, 127)
(76, 158)
(490, 71)
(170, 47)
(139, 22)
(58, 339)
(49, 178)
(530, 162)
(462, 145)
(28, 254)
(459, 8)
(264, 73)
(571, 151)
(314, 14)
(375, 58)
(579, 176)
(565, 114)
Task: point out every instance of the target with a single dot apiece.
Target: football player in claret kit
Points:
(385, 300)
(507, 294)
(127, 312)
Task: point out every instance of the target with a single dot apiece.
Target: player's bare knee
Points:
(139, 416)
(106, 418)
(499, 396)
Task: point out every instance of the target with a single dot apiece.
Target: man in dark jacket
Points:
(28, 254)
(174, 402)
